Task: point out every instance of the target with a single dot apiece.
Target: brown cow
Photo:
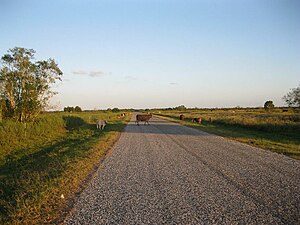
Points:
(181, 117)
(197, 120)
(145, 118)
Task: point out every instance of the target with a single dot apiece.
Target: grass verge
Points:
(287, 143)
(39, 181)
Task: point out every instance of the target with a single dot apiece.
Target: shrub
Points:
(269, 105)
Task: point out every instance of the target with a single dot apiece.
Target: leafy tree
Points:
(69, 109)
(269, 105)
(181, 107)
(77, 109)
(115, 110)
(25, 84)
(292, 98)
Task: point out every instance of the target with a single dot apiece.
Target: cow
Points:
(121, 115)
(197, 120)
(181, 117)
(101, 124)
(145, 118)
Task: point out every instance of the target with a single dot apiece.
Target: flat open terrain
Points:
(277, 130)
(166, 173)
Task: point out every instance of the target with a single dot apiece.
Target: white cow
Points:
(101, 124)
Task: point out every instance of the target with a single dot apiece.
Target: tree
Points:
(77, 109)
(115, 110)
(292, 98)
(69, 109)
(25, 84)
(181, 107)
(269, 105)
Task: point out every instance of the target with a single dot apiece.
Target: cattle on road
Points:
(145, 118)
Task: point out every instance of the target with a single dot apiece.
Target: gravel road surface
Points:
(166, 173)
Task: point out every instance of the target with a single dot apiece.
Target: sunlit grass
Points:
(276, 131)
(44, 165)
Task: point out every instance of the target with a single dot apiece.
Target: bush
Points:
(269, 105)
(115, 110)
(77, 109)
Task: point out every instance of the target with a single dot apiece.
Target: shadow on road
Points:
(162, 127)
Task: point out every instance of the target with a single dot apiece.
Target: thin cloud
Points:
(130, 78)
(80, 72)
(173, 83)
(96, 73)
(126, 80)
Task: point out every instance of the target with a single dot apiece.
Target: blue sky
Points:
(161, 53)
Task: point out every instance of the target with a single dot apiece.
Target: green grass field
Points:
(44, 165)
(278, 130)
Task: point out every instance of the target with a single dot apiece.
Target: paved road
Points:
(165, 173)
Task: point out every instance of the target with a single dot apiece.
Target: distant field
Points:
(278, 130)
(43, 165)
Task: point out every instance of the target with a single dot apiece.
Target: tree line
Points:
(72, 109)
(25, 86)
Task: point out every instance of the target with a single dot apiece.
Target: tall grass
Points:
(275, 130)
(44, 165)
(16, 136)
